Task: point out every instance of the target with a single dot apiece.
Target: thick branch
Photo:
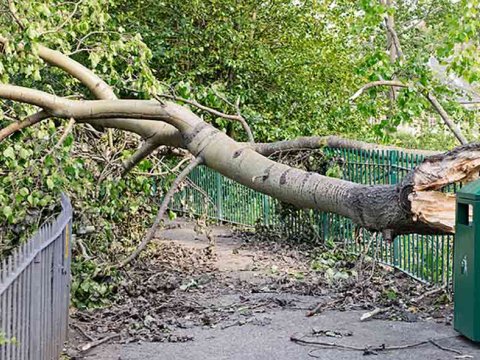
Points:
(163, 207)
(87, 77)
(317, 142)
(99, 111)
(163, 133)
(394, 42)
(147, 148)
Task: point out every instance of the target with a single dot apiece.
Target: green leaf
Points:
(172, 215)
(7, 211)
(9, 153)
(50, 183)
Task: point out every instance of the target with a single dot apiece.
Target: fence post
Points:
(325, 227)
(219, 196)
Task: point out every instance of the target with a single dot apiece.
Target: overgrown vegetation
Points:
(291, 65)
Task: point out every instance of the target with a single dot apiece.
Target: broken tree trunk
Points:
(398, 208)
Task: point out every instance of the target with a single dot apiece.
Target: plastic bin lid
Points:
(471, 191)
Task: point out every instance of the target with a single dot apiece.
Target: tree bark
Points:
(396, 208)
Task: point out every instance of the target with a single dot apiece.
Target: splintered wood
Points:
(434, 207)
(440, 170)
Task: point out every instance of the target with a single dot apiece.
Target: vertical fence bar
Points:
(8, 328)
(266, 211)
(219, 196)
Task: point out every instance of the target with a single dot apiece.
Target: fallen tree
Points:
(415, 205)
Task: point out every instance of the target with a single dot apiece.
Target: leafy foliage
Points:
(292, 65)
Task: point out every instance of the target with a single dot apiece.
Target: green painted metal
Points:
(427, 258)
(467, 255)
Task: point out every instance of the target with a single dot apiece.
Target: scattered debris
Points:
(172, 287)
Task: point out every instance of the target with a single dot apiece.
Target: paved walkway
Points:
(266, 335)
(272, 341)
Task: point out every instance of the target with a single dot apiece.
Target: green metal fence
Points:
(427, 258)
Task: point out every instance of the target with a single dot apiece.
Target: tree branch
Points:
(392, 35)
(428, 95)
(318, 142)
(67, 131)
(146, 149)
(98, 111)
(13, 12)
(163, 207)
(392, 83)
(67, 20)
(17, 126)
(96, 85)
(162, 173)
(375, 208)
(446, 118)
(237, 117)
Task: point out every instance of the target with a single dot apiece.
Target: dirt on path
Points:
(213, 293)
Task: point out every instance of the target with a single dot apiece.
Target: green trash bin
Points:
(466, 281)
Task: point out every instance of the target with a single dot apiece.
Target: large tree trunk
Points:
(403, 208)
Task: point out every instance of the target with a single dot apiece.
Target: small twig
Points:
(237, 117)
(372, 313)
(13, 12)
(444, 348)
(371, 349)
(67, 131)
(89, 346)
(162, 173)
(81, 41)
(81, 331)
(429, 293)
(321, 306)
(61, 26)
